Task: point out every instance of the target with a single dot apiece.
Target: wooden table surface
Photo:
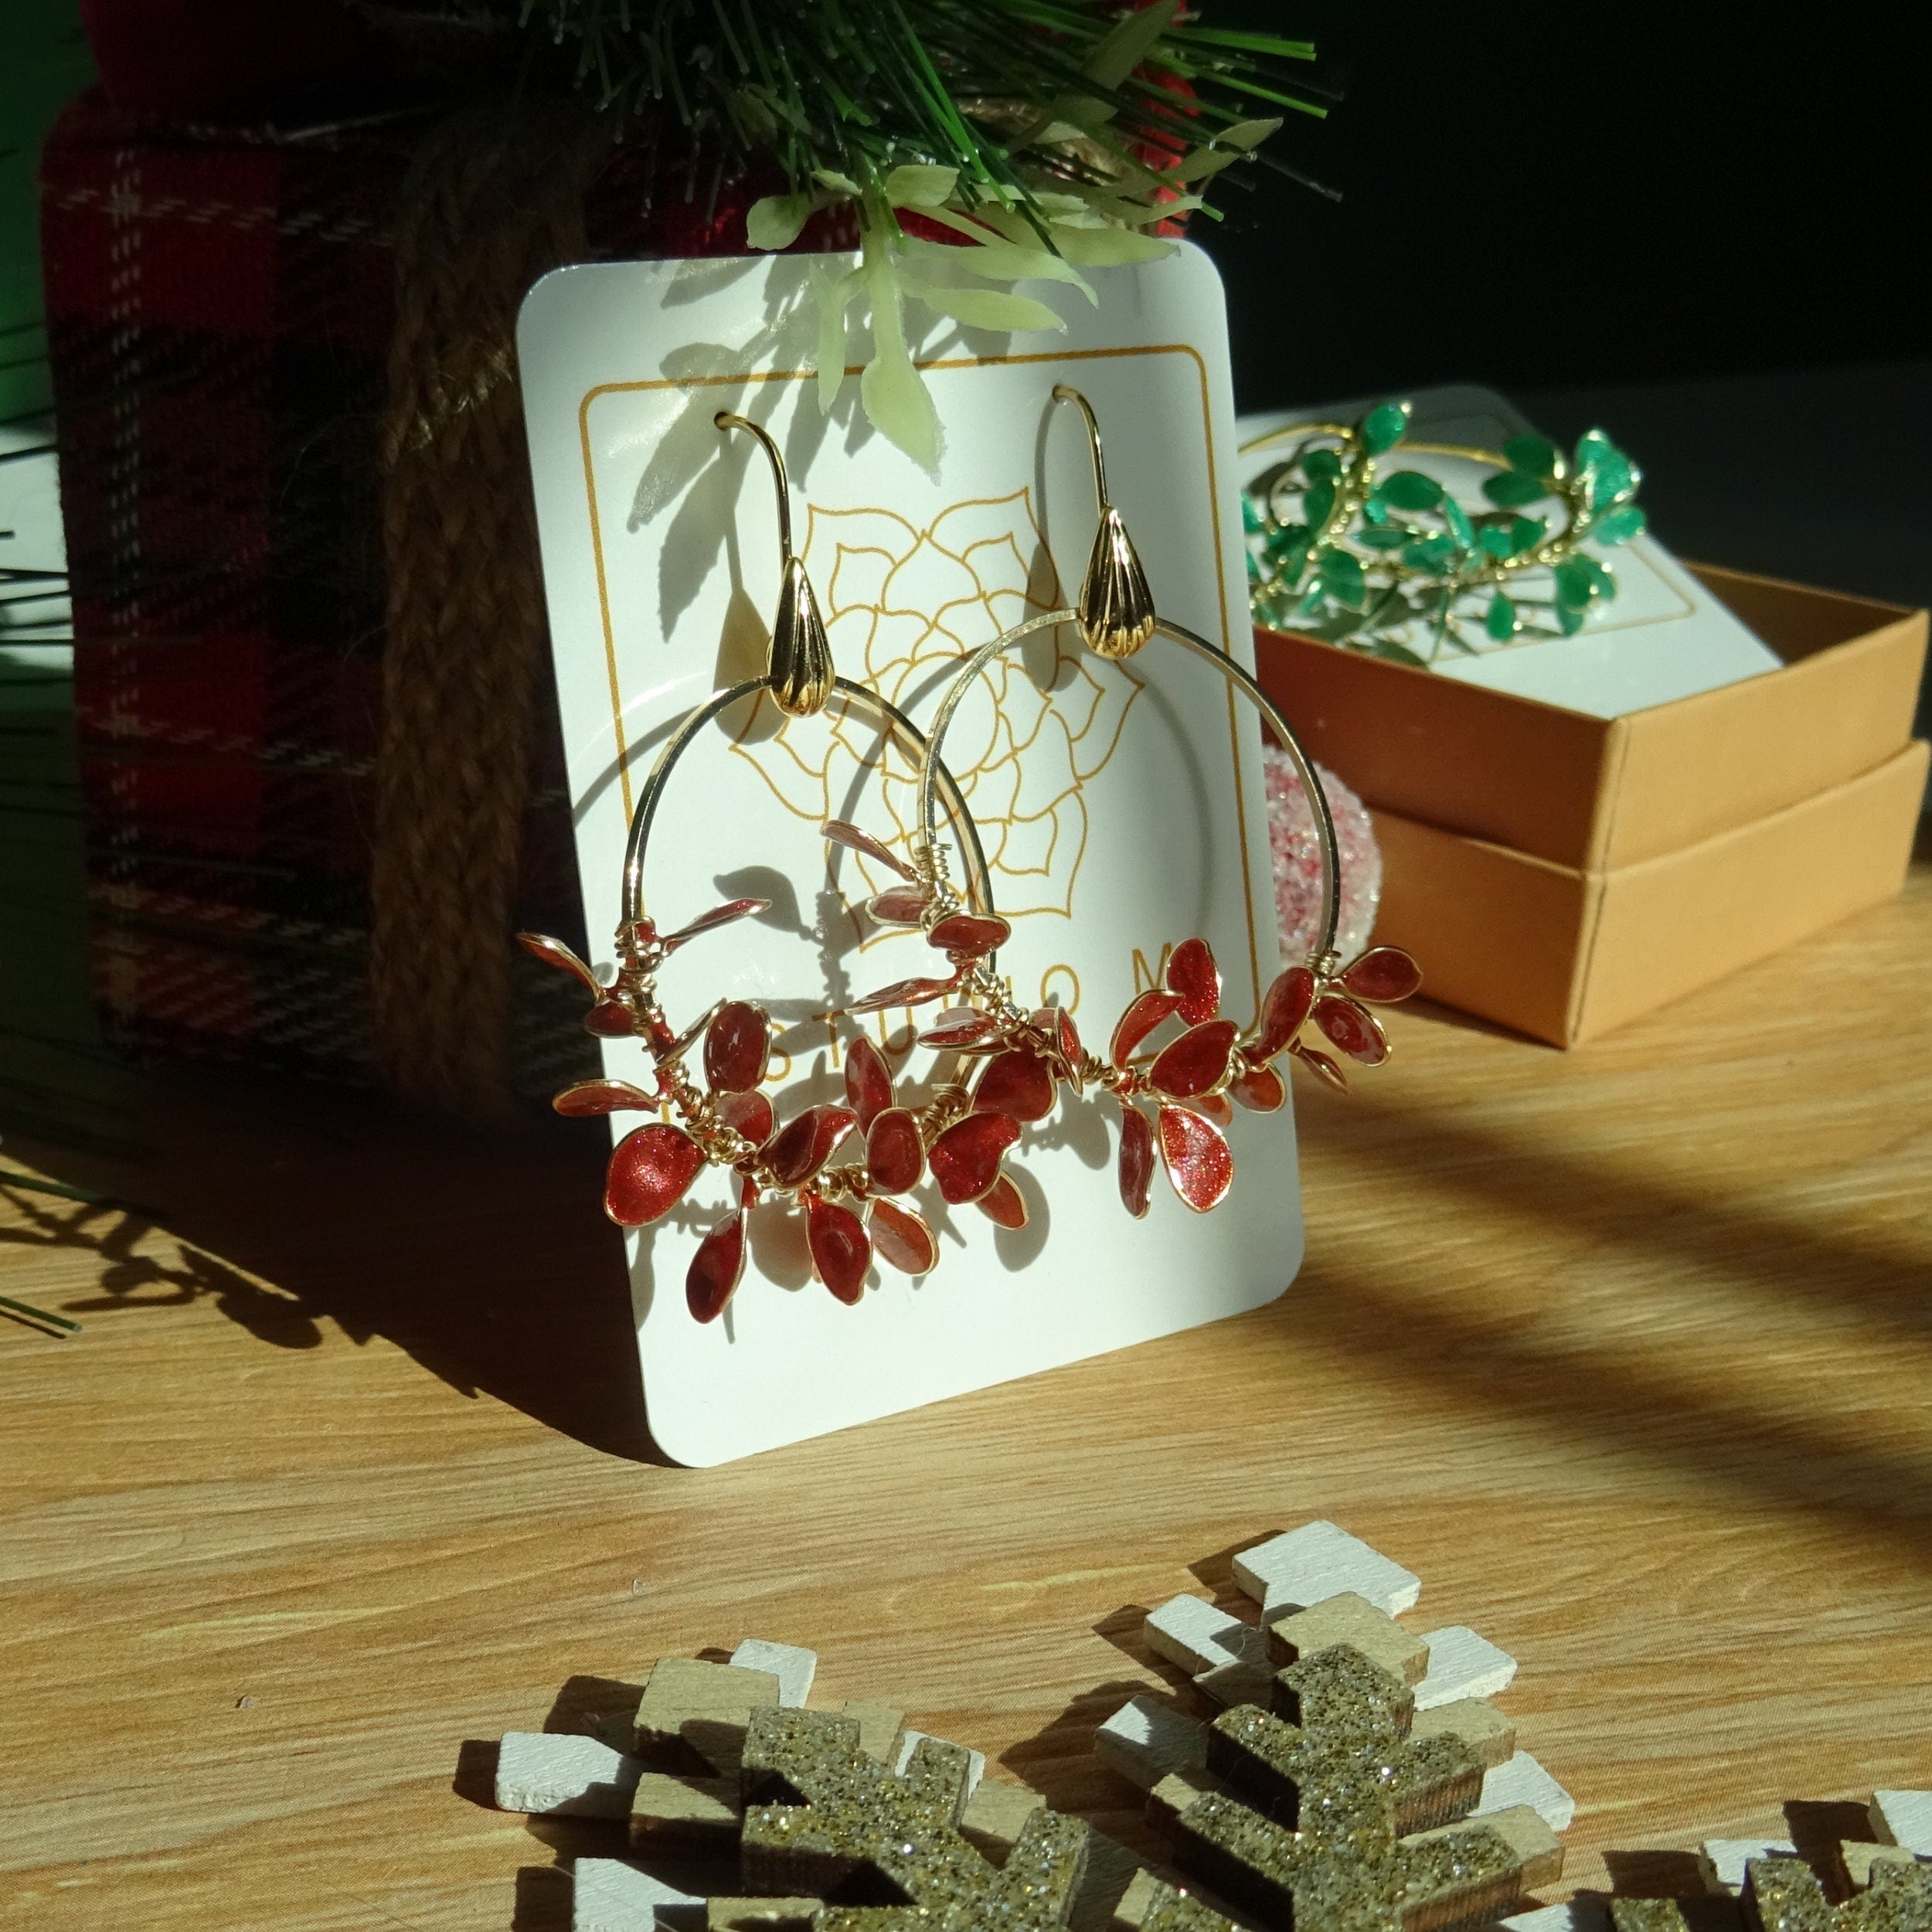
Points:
(1625, 1351)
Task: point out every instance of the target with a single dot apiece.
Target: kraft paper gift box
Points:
(1562, 874)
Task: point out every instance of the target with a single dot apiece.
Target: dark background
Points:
(1703, 227)
(1542, 196)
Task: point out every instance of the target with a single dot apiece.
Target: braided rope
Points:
(494, 199)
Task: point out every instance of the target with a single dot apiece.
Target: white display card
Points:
(1664, 637)
(1121, 805)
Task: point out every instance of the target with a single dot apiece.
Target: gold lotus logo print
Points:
(903, 607)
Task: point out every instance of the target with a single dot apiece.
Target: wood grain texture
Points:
(1627, 1352)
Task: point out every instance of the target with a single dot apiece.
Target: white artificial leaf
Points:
(974, 227)
(891, 390)
(1246, 134)
(896, 404)
(1108, 247)
(1137, 214)
(986, 308)
(833, 292)
(775, 222)
(1000, 261)
(1228, 147)
(1127, 45)
(920, 187)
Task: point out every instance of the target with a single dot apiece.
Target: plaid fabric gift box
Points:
(322, 780)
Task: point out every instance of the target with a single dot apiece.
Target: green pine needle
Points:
(856, 87)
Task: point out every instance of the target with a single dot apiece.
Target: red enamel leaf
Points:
(902, 1240)
(901, 992)
(841, 1249)
(609, 1019)
(1004, 1202)
(841, 833)
(1283, 1012)
(969, 934)
(553, 952)
(1192, 973)
(1261, 1089)
(737, 1046)
(750, 1114)
(1212, 1106)
(718, 916)
(1018, 1083)
(649, 1171)
(804, 1145)
(667, 1045)
(1140, 1019)
(1198, 1161)
(1197, 1063)
(1137, 1159)
(960, 1026)
(868, 1080)
(899, 906)
(965, 1158)
(895, 1156)
(602, 1096)
(1352, 1029)
(716, 1268)
(1384, 975)
(1320, 1064)
(1056, 1023)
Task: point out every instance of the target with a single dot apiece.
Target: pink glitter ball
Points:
(1297, 859)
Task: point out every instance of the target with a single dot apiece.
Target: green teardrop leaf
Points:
(1500, 620)
(1432, 553)
(1533, 456)
(1319, 502)
(1509, 489)
(1569, 618)
(1621, 525)
(1525, 532)
(1494, 540)
(1611, 478)
(1459, 527)
(1576, 582)
(1410, 489)
(1321, 466)
(1383, 539)
(1375, 511)
(1254, 518)
(1340, 574)
(1290, 561)
(1383, 428)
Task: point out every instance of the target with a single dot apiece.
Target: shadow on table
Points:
(488, 1258)
(485, 1256)
(1631, 1397)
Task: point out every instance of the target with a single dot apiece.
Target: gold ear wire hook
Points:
(799, 676)
(1116, 607)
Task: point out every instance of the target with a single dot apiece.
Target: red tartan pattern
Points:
(219, 307)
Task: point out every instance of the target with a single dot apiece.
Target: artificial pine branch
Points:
(1044, 135)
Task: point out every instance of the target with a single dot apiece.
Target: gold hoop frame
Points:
(1189, 1082)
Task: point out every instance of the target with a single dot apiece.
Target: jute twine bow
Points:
(494, 198)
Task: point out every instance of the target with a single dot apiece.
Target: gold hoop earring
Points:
(1190, 1081)
(855, 1210)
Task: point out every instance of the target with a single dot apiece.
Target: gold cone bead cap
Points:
(1116, 607)
(801, 673)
